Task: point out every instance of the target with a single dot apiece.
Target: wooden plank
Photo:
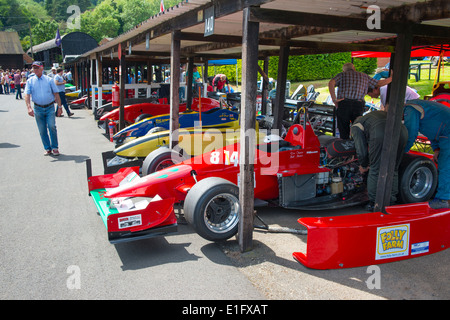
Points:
(123, 80)
(247, 141)
(265, 91)
(190, 70)
(174, 87)
(394, 120)
(343, 22)
(278, 109)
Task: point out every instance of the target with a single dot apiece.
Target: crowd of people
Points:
(12, 81)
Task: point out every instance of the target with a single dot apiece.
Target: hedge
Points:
(307, 67)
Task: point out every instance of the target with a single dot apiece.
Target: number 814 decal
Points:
(229, 157)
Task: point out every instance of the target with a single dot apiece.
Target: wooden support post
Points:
(189, 95)
(265, 91)
(100, 80)
(394, 120)
(248, 137)
(278, 109)
(174, 87)
(123, 80)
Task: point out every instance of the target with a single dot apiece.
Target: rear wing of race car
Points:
(406, 231)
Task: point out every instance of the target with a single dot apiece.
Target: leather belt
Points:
(44, 106)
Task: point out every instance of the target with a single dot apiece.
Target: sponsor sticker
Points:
(392, 241)
(130, 221)
(421, 247)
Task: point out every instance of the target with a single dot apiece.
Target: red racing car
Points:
(141, 111)
(302, 171)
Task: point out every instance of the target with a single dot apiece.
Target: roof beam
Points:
(343, 22)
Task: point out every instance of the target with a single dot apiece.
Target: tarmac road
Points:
(51, 233)
(53, 245)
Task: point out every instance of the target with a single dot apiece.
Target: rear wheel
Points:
(417, 179)
(212, 208)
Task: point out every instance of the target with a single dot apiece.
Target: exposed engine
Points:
(344, 175)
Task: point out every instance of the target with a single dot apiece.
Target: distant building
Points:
(72, 45)
(11, 52)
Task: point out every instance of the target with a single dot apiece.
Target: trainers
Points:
(55, 152)
(48, 152)
(70, 114)
(439, 204)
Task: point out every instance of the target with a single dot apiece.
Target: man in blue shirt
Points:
(43, 92)
(432, 119)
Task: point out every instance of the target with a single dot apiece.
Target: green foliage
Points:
(44, 31)
(365, 65)
(307, 67)
(320, 66)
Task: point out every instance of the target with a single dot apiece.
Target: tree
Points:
(44, 31)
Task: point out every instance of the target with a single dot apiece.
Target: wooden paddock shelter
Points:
(197, 30)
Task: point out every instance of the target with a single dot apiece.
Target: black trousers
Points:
(348, 110)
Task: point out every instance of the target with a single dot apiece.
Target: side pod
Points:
(406, 231)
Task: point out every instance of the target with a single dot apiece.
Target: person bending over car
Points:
(432, 119)
(368, 134)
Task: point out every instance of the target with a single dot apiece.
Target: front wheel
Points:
(417, 179)
(212, 208)
(160, 159)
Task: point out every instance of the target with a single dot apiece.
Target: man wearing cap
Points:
(44, 93)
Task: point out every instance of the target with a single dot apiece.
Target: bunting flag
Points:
(58, 38)
(161, 7)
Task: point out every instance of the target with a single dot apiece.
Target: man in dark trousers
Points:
(352, 87)
(368, 134)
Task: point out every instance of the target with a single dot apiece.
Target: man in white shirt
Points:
(381, 92)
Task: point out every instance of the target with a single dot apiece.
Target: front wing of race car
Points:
(404, 232)
(131, 218)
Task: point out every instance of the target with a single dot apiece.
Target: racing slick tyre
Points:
(212, 208)
(159, 159)
(142, 117)
(417, 179)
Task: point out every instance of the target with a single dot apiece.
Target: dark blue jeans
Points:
(62, 96)
(18, 92)
(46, 122)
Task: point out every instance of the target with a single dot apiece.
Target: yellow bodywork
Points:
(194, 141)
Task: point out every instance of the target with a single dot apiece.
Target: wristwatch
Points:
(59, 107)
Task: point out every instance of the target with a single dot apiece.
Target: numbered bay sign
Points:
(209, 21)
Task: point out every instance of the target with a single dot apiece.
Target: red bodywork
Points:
(106, 96)
(405, 232)
(333, 242)
(154, 109)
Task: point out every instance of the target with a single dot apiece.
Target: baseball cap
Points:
(37, 63)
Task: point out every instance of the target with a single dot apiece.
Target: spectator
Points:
(61, 85)
(43, 92)
(220, 83)
(352, 87)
